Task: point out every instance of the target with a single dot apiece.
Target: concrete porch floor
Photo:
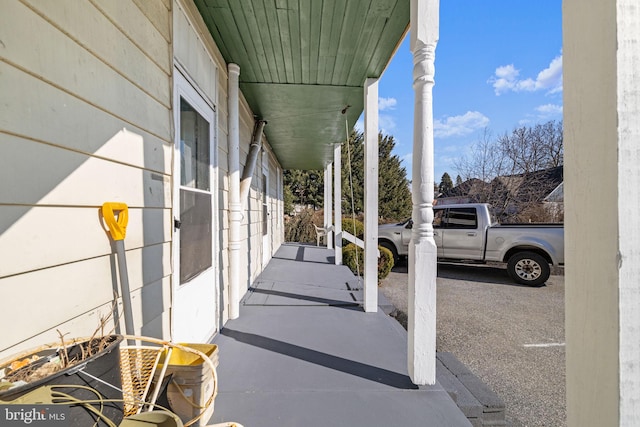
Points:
(304, 353)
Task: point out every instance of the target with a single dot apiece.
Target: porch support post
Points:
(602, 176)
(337, 202)
(371, 195)
(328, 204)
(422, 248)
(235, 205)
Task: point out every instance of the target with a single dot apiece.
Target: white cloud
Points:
(551, 77)
(549, 110)
(542, 112)
(507, 78)
(387, 104)
(460, 125)
(386, 124)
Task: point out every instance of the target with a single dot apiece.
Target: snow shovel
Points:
(118, 229)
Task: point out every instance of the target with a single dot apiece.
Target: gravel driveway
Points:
(511, 336)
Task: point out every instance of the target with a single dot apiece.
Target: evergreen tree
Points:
(445, 183)
(307, 187)
(394, 196)
(458, 180)
(353, 169)
(288, 199)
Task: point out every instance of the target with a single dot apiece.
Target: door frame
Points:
(184, 87)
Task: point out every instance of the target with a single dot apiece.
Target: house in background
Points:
(554, 203)
(520, 197)
(161, 104)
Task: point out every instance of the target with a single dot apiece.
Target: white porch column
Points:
(328, 204)
(337, 202)
(371, 195)
(235, 205)
(602, 226)
(422, 248)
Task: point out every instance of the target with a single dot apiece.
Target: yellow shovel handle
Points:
(117, 227)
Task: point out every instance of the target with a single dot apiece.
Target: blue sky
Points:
(498, 66)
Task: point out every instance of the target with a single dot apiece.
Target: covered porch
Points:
(302, 352)
(308, 71)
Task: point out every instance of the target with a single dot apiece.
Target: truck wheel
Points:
(528, 268)
(392, 248)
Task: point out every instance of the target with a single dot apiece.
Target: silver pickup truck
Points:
(470, 232)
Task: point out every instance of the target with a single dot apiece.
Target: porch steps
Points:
(476, 400)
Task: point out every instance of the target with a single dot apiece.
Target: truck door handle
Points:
(472, 234)
(435, 233)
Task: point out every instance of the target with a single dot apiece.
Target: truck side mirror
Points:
(409, 224)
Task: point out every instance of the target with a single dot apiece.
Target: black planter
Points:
(105, 365)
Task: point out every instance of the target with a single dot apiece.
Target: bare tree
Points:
(483, 163)
(515, 172)
(533, 148)
(552, 140)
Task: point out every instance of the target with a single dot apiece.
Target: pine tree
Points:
(307, 187)
(394, 196)
(458, 180)
(445, 183)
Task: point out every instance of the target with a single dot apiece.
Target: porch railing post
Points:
(371, 195)
(328, 204)
(422, 248)
(337, 202)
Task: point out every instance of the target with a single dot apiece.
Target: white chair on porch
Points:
(321, 234)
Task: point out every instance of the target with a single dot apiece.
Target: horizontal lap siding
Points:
(85, 118)
(74, 124)
(93, 280)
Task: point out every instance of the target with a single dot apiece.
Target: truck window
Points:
(438, 215)
(462, 218)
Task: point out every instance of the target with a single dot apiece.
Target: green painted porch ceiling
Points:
(303, 61)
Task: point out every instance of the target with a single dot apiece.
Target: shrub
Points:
(348, 225)
(349, 253)
(299, 228)
(385, 261)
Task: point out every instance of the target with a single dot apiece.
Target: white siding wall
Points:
(84, 119)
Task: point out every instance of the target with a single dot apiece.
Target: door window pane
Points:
(195, 234)
(194, 140)
(265, 207)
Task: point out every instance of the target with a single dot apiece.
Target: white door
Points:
(194, 280)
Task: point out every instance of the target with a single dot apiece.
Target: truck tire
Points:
(528, 268)
(388, 245)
